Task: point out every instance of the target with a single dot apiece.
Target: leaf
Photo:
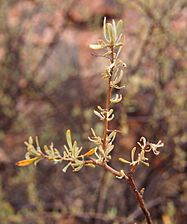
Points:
(117, 76)
(30, 140)
(118, 87)
(68, 153)
(146, 164)
(112, 136)
(110, 112)
(133, 153)
(77, 165)
(93, 132)
(90, 152)
(120, 44)
(114, 29)
(27, 155)
(26, 143)
(90, 165)
(57, 153)
(105, 30)
(99, 115)
(26, 162)
(37, 144)
(66, 167)
(75, 149)
(116, 99)
(124, 160)
(97, 46)
(37, 161)
(47, 151)
(110, 32)
(68, 138)
(119, 27)
(110, 115)
(109, 148)
(100, 148)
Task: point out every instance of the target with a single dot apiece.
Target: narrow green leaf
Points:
(105, 31)
(119, 27)
(68, 138)
(112, 136)
(110, 32)
(98, 114)
(75, 149)
(30, 140)
(109, 148)
(67, 151)
(114, 29)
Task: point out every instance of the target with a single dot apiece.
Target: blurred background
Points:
(50, 81)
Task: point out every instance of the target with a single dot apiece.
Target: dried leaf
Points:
(26, 162)
(90, 152)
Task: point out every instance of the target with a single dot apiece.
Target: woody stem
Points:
(130, 180)
(109, 92)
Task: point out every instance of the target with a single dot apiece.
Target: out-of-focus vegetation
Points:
(50, 82)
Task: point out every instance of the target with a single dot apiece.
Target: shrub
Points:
(100, 154)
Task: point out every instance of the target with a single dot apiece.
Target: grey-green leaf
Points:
(97, 46)
(68, 138)
(124, 160)
(119, 27)
(114, 29)
(66, 167)
(105, 30)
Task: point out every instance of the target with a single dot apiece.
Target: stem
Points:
(132, 185)
(128, 177)
(109, 92)
(139, 197)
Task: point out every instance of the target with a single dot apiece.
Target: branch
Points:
(109, 92)
(138, 196)
(130, 180)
